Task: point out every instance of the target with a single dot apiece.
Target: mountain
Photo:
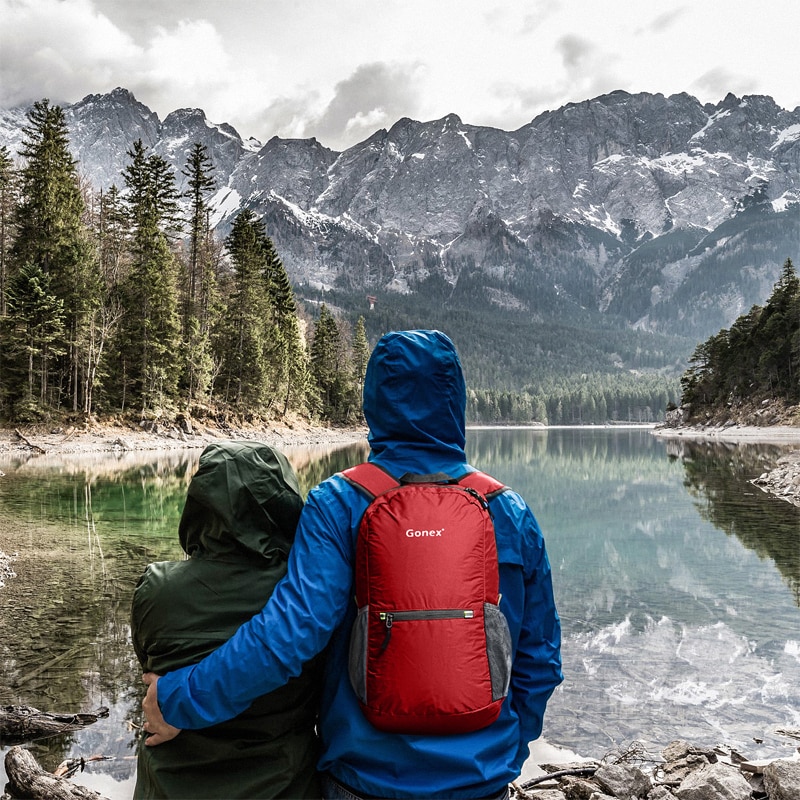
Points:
(662, 213)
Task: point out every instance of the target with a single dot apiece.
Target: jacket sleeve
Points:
(296, 624)
(536, 669)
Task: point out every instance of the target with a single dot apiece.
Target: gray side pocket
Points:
(357, 659)
(498, 647)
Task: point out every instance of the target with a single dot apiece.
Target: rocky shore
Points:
(783, 480)
(172, 434)
(684, 772)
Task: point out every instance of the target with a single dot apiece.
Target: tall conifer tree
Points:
(51, 233)
(199, 283)
(150, 329)
(244, 343)
(8, 200)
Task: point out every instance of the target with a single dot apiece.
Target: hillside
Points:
(604, 236)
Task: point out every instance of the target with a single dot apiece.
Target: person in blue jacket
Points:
(414, 404)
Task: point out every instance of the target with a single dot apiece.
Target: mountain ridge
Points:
(663, 212)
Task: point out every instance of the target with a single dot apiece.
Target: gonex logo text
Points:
(412, 534)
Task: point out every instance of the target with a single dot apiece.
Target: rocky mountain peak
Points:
(652, 207)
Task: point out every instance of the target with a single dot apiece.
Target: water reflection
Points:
(673, 627)
(676, 580)
(718, 477)
(77, 533)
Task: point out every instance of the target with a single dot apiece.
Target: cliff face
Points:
(666, 213)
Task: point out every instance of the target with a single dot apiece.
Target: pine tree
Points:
(149, 340)
(33, 331)
(329, 369)
(243, 343)
(199, 171)
(290, 362)
(8, 200)
(51, 233)
(199, 284)
(361, 353)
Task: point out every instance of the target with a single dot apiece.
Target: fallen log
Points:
(29, 443)
(27, 779)
(24, 724)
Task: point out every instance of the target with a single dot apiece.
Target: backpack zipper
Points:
(390, 617)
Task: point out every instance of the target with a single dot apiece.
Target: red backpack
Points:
(430, 650)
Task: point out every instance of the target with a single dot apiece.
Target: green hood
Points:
(244, 499)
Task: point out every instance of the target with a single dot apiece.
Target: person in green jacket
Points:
(237, 528)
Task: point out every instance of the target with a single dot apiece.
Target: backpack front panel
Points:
(426, 571)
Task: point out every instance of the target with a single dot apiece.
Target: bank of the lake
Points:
(166, 435)
(782, 480)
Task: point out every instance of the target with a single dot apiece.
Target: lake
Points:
(677, 582)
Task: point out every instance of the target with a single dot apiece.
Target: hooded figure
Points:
(237, 528)
(414, 402)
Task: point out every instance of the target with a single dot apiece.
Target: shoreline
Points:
(119, 439)
(733, 433)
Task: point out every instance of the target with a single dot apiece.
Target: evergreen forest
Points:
(126, 303)
(753, 363)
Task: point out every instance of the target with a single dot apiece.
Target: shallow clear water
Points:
(677, 582)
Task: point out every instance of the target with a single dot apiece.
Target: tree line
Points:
(756, 359)
(125, 302)
(580, 399)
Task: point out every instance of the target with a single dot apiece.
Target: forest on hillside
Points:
(127, 303)
(755, 361)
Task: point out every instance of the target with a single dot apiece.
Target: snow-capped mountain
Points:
(671, 214)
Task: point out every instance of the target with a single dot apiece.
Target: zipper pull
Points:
(388, 620)
(478, 496)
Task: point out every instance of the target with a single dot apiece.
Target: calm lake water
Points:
(677, 581)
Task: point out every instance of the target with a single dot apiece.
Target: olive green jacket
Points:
(237, 527)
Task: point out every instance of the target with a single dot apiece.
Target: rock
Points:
(682, 758)
(660, 793)
(578, 788)
(782, 779)
(623, 781)
(714, 782)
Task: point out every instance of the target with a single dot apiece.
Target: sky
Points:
(339, 70)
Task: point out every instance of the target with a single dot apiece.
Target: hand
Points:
(159, 729)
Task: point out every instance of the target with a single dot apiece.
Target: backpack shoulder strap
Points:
(370, 479)
(482, 483)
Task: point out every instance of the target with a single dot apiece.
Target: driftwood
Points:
(26, 778)
(29, 442)
(578, 771)
(23, 723)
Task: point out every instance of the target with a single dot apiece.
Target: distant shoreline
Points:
(734, 434)
(101, 437)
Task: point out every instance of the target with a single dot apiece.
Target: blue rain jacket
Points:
(414, 404)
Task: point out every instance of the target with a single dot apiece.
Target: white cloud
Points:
(57, 49)
(340, 70)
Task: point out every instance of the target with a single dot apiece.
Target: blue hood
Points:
(414, 403)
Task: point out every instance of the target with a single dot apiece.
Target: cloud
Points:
(374, 96)
(574, 51)
(665, 21)
(717, 82)
(66, 49)
(542, 11)
(57, 50)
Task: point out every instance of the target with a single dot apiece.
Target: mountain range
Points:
(661, 213)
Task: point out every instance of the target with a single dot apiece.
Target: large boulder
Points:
(782, 779)
(714, 782)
